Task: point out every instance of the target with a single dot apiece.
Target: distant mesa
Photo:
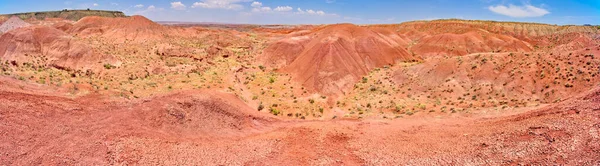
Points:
(73, 15)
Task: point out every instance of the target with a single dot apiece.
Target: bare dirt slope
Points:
(333, 58)
(485, 93)
(203, 127)
(46, 46)
(12, 23)
(135, 28)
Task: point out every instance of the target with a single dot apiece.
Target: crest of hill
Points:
(461, 37)
(13, 23)
(137, 28)
(66, 14)
(332, 58)
(43, 45)
(470, 42)
(2, 19)
(521, 30)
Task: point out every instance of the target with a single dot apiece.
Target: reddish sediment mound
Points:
(334, 57)
(200, 112)
(574, 41)
(504, 78)
(13, 23)
(63, 26)
(452, 44)
(462, 37)
(102, 130)
(134, 28)
(205, 127)
(41, 45)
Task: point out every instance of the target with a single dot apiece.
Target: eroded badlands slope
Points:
(103, 91)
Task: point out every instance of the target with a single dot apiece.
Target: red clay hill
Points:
(136, 28)
(42, 45)
(462, 37)
(332, 58)
(478, 93)
(12, 23)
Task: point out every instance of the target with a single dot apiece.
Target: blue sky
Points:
(331, 11)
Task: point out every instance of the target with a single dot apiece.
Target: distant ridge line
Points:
(74, 15)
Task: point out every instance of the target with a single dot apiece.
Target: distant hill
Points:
(66, 14)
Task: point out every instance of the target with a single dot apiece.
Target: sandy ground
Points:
(129, 91)
(212, 128)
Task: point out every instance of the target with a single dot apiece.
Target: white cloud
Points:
(519, 11)
(259, 8)
(138, 6)
(220, 4)
(114, 4)
(150, 8)
(330, 1)
(178, 6)
(312, 12)
(265, 9)
(95, 4)
(256, 4)
(283, 8)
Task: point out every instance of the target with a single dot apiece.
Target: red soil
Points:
(460, 37)
(137, 28)
(331, 59)
(204, 127)
(63, 26)
(496, 77)
(40, 45)
(470, 42)
(12, 23)
(48, 125)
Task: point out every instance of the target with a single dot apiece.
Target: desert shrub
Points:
(260, 107)
(372, 88)
(398, 108)
(271, 80)
(275, 112)
(568, 85)
(109, 66)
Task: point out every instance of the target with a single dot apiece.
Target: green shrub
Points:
(109, 66)
(271, 80)
(275, 112)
